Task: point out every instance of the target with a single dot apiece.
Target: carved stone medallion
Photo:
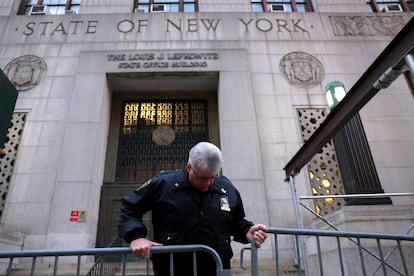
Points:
(163, 135)
(302, 69)
(388, 25)
(26, 72)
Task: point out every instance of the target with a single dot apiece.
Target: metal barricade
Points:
(302, 246)
(328, 252)
(122, 252)
(342, 253)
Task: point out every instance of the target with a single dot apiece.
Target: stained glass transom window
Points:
(157, 135)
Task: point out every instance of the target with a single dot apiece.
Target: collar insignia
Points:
(144, 185)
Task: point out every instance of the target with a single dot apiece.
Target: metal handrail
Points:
(297, 202)
(100, 262)
(393, 249)
(357, 195)
(358, 236)
(340, 234)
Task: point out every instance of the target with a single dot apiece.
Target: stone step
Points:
(42, 269)
(136, 269)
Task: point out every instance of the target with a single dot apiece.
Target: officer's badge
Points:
(144, 185)
(224, 203)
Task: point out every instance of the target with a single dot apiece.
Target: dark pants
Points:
(183, 264)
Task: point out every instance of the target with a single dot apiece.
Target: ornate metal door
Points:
(154, 135)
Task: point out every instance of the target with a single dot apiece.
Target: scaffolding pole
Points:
(302, 255)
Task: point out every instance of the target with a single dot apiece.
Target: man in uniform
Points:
(194, 205)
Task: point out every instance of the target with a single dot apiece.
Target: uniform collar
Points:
(181, 182)
(218, 187)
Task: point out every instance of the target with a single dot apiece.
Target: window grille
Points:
(8, 160)
(324, 174)
(344, 165)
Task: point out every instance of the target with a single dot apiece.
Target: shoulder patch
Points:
(146, 184)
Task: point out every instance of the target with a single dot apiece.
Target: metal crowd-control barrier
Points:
(330, 253)
(368, 253)
(123, 252)
(301, 252)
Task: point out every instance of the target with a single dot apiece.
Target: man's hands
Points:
(141, 247)
(258, 232)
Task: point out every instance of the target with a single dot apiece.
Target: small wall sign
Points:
(77, 216)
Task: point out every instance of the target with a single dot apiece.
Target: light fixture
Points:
(334, 93)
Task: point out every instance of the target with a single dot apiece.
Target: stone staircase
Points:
(134, 269)
(24, 269)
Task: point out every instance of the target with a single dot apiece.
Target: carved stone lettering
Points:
(60, 28)
(192, 25)
(151, 60)
(276, 25)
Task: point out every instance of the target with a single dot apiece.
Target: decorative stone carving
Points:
(366, 25)
(302, 69)
(26, 72)
(388, 25)
(350, 25)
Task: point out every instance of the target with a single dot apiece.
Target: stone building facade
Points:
(109, 94)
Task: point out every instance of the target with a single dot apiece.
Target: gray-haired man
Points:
(194, 205)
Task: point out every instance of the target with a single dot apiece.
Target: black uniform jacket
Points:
(183, 215)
